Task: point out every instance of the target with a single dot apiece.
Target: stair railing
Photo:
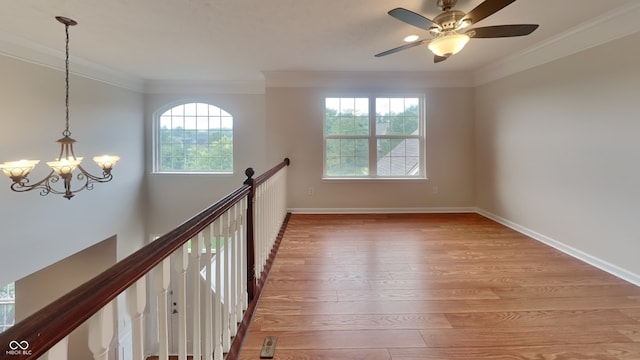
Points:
(241, 232)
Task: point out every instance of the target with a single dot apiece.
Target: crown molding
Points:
(204, 86)
(367, 79)
(28, 51)
(613, 25)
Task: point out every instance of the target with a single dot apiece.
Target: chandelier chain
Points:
(66, 131)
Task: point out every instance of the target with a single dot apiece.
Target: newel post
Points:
(251, 260)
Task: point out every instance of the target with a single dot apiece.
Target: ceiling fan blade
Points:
(437, 59)
(411, 18)
(500, 31)
(485, 9)
(400, 48)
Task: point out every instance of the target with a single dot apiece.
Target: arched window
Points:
(194, 138)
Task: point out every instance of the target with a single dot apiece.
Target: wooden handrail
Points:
(46, 327)
(269, 173)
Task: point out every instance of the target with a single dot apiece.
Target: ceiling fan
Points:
(451, 29)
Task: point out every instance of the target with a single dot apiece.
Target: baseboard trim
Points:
(569, 250)
(434, 210)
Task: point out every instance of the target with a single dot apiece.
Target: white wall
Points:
(295, 129)
(38, 231)
(286, 121)
(175, 198)
(557, 151)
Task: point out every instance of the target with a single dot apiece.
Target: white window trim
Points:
(155, 143)
(373, 137)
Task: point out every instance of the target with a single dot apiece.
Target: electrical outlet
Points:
(434, 189)
(310, 191)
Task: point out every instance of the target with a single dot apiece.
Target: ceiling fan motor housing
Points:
(447, 21)
(446, 4)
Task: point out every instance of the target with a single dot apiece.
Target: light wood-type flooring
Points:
(437, 286)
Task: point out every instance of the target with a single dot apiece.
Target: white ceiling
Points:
(217, 40)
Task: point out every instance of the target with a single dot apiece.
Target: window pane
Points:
(347, 126)
(398, 157)
(362, 125)
(202, 122)
(226, 122)
(176, 111)
(361, 107)
(332, 105)
(177, 122)
(190, 109)
(165, 122)
(397, 116)
(347, 157)
(332, 125)
(346, 116)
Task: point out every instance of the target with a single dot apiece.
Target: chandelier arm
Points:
(106, 175)
(87, 180)
(22, 184)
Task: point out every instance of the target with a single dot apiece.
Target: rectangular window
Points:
(374, 137)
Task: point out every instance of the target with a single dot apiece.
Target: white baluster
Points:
(59, 351)
(101, 332)
(270, 214)
(259, 230)
(233, 248)
(136, 303)
(267, 220)
(181, 264)
(196, 254)
(209, 328)
(263, 227)
(162, 276)
(242, 256)
(226, 305)
(217, 306)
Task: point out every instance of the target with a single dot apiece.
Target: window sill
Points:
(354, 179)
(192, 173)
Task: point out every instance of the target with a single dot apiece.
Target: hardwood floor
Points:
(437, 286)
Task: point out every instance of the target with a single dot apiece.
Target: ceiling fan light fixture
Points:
(448, 45)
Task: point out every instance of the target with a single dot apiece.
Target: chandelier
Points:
(67, 162)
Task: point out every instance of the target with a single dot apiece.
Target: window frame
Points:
(373, 137)
(156, 143)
